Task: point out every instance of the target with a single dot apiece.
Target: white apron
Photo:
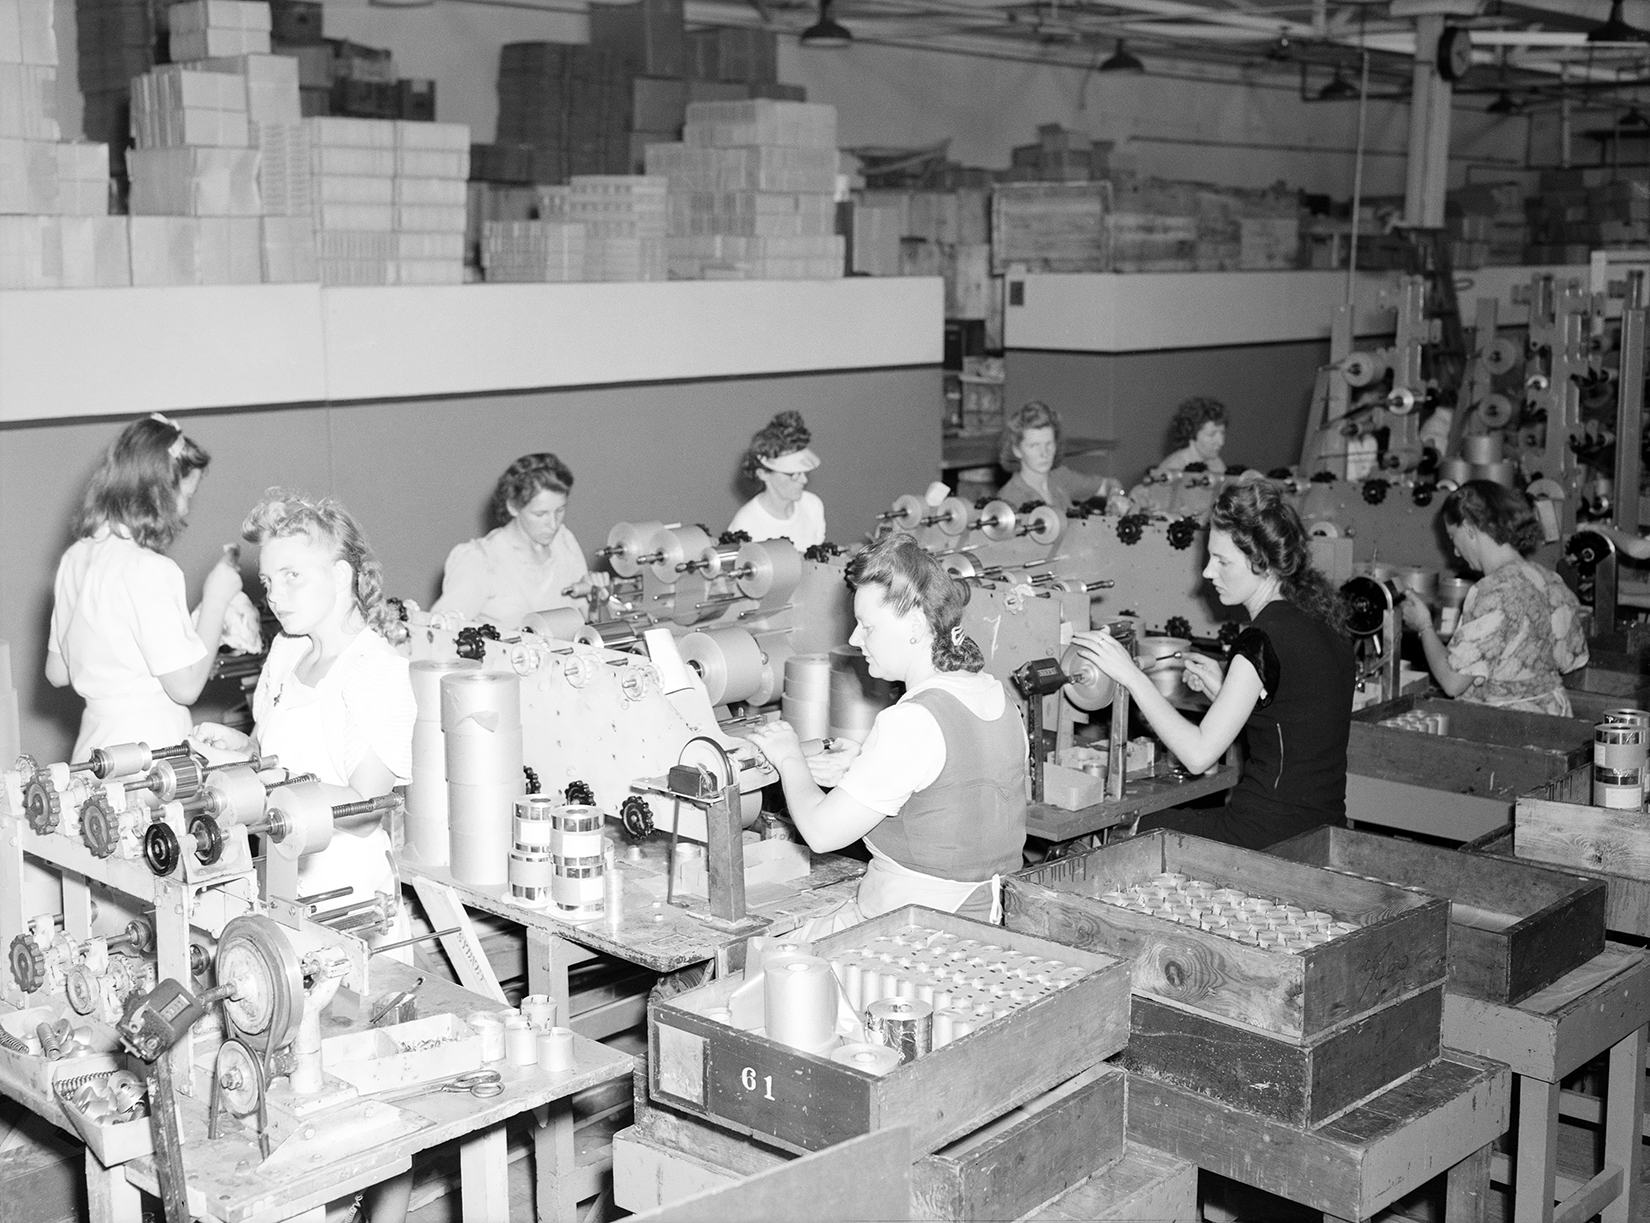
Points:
(155, 719)
(887, 886)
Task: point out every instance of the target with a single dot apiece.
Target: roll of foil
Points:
(904, 1025)
(872, 1059)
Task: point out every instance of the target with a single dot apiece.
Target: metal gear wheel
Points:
(28, 963)
(42, 805)
(1129, 529)
(636, 816)
(99, 827)
(1181, 533)
(579, 794)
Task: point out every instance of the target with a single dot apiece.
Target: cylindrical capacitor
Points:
(556, 1050)
(903, 1024)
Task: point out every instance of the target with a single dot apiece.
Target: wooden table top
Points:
(1140, 797)
(658, 936)
(363, 1141)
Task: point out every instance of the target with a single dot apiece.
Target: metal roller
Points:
(951, 517)
(1496, 411)
(1501, 356)
(1043, 525)
(771, 567)
(609, 635)
(1401, 402)
(558, 624)
(906, 512)
(1362, 368)
(996, 521)
(728, 660)
(961, 565)
(626, 542)
(670, 548)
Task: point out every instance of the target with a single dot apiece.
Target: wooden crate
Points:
(1513, 928)
(1299, 1084)
(1143, 1185)
(1496, 753)
(801, 1102)
(1400, 949)
(1595, 688)
(1051, 227)
(1557, 825)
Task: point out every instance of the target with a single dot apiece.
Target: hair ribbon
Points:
(956, 636)
(175, 450)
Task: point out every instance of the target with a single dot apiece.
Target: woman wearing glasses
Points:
(779, 459)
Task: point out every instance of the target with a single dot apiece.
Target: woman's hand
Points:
(1107, 653)
(223, 583)
(1203, 674)
(220, 743)
(777, 741)
(1417, 615)
(830, 763)
(591, 581)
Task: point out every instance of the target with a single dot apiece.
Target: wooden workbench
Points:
(1142, 796)
(1603, 1006)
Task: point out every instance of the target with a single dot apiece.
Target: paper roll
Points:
(872, 1059)
(491, 1031)
(531, 876)
(427, 794)
(307, 809)
(761, 948)
(768, 570)
(556, 1050)
(800, 1002)
(673, 546)
(480, 818)
(856, 695)
(728, 660)
(539, 1010)
(521, 1042)
(426, 675)
(775, 653)
(626, 542)
(903, 1024)
(480, 702)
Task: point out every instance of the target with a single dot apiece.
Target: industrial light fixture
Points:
(1504, 104)
(1339, 89)
(1122, 61)
(826, 32)
(1615, 29)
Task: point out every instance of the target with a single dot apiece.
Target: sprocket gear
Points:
(99, 827)
(1181, 533)
(579, 794)
(42, 805)
(636, 816)
(1130, 528)
(28, 963)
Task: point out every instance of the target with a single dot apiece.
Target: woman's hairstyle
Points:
(910, 577)
(1269, 532)
(1504, 514)
(525, 479)
(282, 514)
(784, 434)
(136, 483)
(1033, 415)
(1191, 416)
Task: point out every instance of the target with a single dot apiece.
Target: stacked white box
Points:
(353, 163)
(753, 191)
(286, 181)
(31, 252)
(82, 178)
(207, 29)
(625, 220)
(96, 252)
(173, 106)
(533, 251)
(28, 100)
(28, 177)
(26, 33)
(193, 181)
(288, 250)
(432, 164)
(270, 82)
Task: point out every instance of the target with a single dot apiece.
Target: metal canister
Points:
(1452, 594)
(1618, 789)
(1641, 719)
(904, 1025)
(576, 843)
(533, 828)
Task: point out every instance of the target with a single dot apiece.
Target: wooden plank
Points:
(1613, 843)
(1354, 1165)
(1588, 1201)
(1302, 1085)
(1467, 1189)
(484, 1177)
(646, 1175)
(1418, 808)
(1022, 1159)
(1515, 928)
(1145, 1186)
(1622, 1124)
(864, 1178)
(1537, 1155)
(446, 912)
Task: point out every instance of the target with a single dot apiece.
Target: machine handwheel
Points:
(161, 850)
(28, 963)
(208, 839)
(99, 827)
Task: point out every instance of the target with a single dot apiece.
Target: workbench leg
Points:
(547, 962)
(1537, 1164)
(110, 1197)
(484, 1176)
(555, 1164)
(1467, 1189)
(1623, 1108)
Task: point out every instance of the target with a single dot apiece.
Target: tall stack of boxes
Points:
(1579, 210)
(752, 191)
(54, 196)
(624, 219)
(537, 251)
(205, 29)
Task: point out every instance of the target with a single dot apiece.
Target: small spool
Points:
(1619, 790)
(533, 826)
(555, 1050)
(626, 542)
(539, 1010)
(531, 877)
(806, 700)
(728, 660)
(800, 1002)
(903, 1024)
(1633, 717)
(238, 794)
(674, 546)
(1619, 747)
(491, 1031)
(520, 1043)
(558, 624)
(872, 1059)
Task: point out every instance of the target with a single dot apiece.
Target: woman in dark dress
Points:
(1288, 689)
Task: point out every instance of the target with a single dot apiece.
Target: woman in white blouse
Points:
(779, 459)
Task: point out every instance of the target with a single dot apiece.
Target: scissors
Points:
(482, 1084)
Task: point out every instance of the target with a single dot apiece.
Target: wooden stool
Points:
(1441, 1119)
(1602, 1006)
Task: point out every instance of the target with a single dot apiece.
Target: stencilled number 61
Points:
(747, 1080)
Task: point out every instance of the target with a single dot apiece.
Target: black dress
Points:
(1294, 772)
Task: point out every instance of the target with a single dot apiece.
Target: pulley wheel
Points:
(1401, 402)
(1367, 603)
(1361, 368)
(161, 851)
(255, 957)
(1496, 411)
(238, 1074)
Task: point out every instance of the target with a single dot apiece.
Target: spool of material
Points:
(800, 1003)
(856, 695)
(521, 1043)
(539, 1010)
(307, 809)
(806, 702)
(1423, 582)
(1619, 747)
(762, 949)
(533, 823)
(728, 660)
(768, 570)
(426, 675)
(531, 876)
(902, 1024)
(1481, 449)
(1634, 717)
(775, 653)
(237, 793)
(491, 1031)
(578, 884)
(675, 546)
(626, 542)
(1618, 790)
(481, 726)
(609, 635)
(1496, 473)
(664, 653)
(872, 1059)
(558, 624)
(556, 1050)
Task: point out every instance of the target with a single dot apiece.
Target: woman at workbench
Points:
(1520, 628)
(1197, 434)
(1031, 450)
(779, 459)
(529, 562)
(121, 631)
(1287, 691)
(938, 791)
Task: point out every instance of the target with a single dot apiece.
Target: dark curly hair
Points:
(137, 481)
(911, 577)
(1192, 415)
(784, 434)
(1269, 532)
(1504, 514)
(283, 513)
(1033, 415)
(525, 479)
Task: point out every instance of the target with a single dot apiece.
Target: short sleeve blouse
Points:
(1520, 631)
